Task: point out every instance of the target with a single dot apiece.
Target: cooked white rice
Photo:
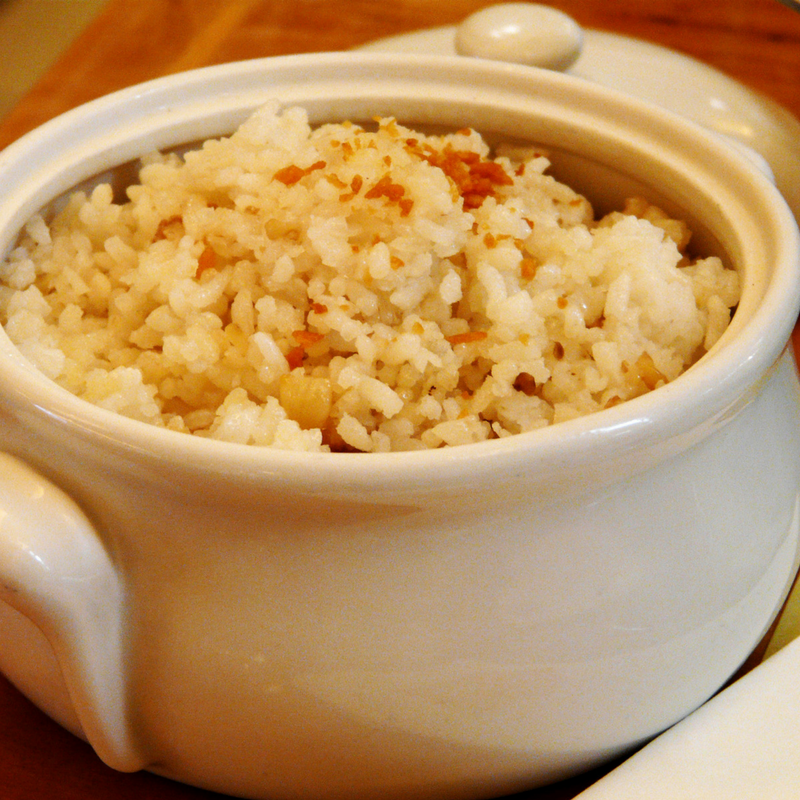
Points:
(339, 289)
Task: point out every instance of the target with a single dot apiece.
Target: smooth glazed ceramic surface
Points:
(521, 33)
(458, 623)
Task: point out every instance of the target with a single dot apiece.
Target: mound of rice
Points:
(351, 290)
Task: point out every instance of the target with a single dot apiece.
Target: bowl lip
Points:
(694, 400)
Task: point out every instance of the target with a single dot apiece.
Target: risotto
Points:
(344, 289)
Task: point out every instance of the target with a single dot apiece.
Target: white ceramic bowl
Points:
(453, 623)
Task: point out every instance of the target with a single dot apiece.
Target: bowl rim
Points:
(694, 401)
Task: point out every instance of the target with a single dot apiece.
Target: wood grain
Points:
(754, 41)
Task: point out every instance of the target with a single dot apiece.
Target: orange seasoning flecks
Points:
(291, 174)
(528, 267)
(295, 357)
(385, 188)
(467, 338)
(334, 180)
(474, 177)
(388, 125)
(304, 339)
(355, 188)
(393, 192)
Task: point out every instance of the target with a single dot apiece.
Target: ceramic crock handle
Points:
(55, 570)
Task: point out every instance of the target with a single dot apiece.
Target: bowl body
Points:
(452, 623)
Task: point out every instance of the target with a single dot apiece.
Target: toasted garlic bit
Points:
(306, 399)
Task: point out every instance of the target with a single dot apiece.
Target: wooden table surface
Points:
(754, 41)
